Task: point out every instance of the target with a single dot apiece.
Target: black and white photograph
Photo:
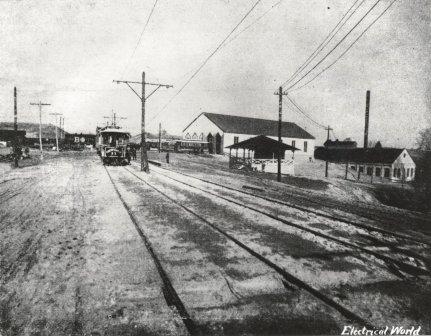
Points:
(215, 167)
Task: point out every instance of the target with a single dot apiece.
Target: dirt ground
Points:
(74, 262)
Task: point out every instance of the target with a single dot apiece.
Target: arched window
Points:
(195, 136)
(188, 136)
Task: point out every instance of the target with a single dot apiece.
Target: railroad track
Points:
(367, 227)
(171, 296)
(388, 260)
(288, 277)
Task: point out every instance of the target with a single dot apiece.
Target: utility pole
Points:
(56, 130)
(280, 95)
(327, 163)
(40, 104)
(367, 117)
(160, 137)
(143, 98)
(15, 128)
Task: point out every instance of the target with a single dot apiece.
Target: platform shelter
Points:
(261, 154)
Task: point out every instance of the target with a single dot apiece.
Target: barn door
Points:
(210, 139)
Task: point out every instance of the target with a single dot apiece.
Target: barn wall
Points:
(202, 125)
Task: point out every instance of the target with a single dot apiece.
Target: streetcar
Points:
(112, 145)
(189, 146)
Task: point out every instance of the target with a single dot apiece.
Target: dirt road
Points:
(94, 250)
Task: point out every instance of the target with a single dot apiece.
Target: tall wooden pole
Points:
(15, 127)
(144, 158)
(327, 163)
(280, 95)
(367, 117)
(160, 137)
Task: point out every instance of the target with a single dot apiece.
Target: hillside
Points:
(32, 129)
(165, 135)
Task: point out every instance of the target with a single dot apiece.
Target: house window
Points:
(188, 136)
(413, 172)
(395, 172)
(361, 169)
(305, 146)
(235, 139)
(195, 136)
(369, 171)
(408, 172)
(353, 167)
(378, 171)
(387, 172)
(293, 143)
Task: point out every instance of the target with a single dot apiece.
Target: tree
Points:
(424, 139)
(422, 181)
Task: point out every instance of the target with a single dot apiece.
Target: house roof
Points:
(262, 141)
(358, 155)
(245, 125)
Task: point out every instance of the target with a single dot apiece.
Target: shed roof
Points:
(262, 141)
(358, 155)
(245, 125)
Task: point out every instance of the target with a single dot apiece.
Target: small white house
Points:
(221, 131)
(393, 164)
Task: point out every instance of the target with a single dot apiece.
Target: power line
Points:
(304, 113)
(326, 41)
(209, 57)
(350, 46)
(140, 37)
(253, 23)
(330, 52)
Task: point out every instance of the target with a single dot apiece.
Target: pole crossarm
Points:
(158, 86)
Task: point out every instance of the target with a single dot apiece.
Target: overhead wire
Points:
(335, 47)
(140, 37)
(326, 41)
(301, 110)
(350, 46)
(253, 23)
(207, 59)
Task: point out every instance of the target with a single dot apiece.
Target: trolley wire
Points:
(206, 60)
(326, 41)
(335, 47)
(349, 47)
(140, 37)
(301, 110)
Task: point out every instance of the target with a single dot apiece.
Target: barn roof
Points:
(245, 125)
(358, 155)
(262, 141)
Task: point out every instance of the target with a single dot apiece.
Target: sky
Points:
(67, 53)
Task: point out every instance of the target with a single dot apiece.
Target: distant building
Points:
(8, 136)
(221, 131)
(79, 139)
(347, 143)
(394, 164)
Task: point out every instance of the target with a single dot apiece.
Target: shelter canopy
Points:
(263, 147)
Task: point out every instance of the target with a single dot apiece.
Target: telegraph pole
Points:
(143, 98)
(40, 104)
(160, 137)
(280, 95)
(327, 163)
(56, 129)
